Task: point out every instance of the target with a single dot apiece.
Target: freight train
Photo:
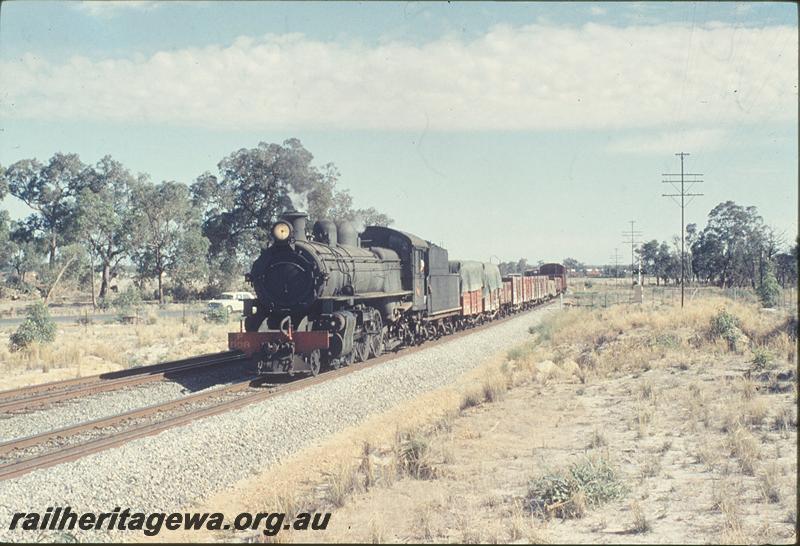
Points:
(334, 297)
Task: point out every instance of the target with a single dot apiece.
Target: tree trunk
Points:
(106, 279)
(53, 247)
(91, 272)
(58, 278)
(160, 289)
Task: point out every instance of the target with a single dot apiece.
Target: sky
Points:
(500, 130)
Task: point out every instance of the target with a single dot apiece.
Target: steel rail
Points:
(111, 420)
(48, 393)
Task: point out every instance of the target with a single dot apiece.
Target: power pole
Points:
(632, 239)
(682, 204)
(615, 261)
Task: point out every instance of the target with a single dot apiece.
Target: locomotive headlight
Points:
(281, 231)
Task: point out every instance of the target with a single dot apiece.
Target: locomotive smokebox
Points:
(298, 221)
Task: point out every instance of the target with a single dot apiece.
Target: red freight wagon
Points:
(527, 289)
(471, 274)
(472, 302)
(508, 297)
(516, 289)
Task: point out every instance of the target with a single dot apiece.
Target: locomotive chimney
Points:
(346, 234)
(298, 221)
(325, 232)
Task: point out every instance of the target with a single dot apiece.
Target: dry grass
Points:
(343, 484)
(769, 483)
(598, 439)
(744, 446)
(785, 420)
(649, 467)
(377, 531)
(627, 337)
(644, 417)
(414, 456)
(726, 501)
(746, 387)
(423, 522)
(640, 522)
(708, 454)
(518, 524)
(101, 347)
(471, 398)
(495, 386)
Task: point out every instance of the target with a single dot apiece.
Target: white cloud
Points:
(698, 140)
(537, 77)
(112, 8)
(597, 10)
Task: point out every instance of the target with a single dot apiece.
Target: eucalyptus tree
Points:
(105, 215)
(50, 190)
(168, 239)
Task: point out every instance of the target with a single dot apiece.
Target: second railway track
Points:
(36, 396)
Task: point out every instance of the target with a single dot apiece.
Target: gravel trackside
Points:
(78, 410)
(175, 468)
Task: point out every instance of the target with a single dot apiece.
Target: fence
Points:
(671, 295)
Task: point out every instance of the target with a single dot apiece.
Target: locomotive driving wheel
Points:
(314, 362)
(361, 350)
(376, 344)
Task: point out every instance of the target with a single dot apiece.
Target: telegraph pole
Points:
(632, 239)
(615, 261)
(683, 195)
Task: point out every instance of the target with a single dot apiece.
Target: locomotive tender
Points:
(337, 297)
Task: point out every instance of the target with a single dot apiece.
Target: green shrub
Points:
(565, 493)
(219, 315)
(761, 358)
(129, 299)
(545, 329)
(665, 339)
(127, 303)
(769, 291)
(37, 328)
(518, 353)
(726, 326)
(413, 457)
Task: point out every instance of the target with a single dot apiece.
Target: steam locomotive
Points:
(340, 297)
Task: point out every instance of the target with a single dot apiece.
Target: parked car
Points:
(233, 301)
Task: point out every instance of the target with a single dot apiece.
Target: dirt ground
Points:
(495, 450)
(700, 431)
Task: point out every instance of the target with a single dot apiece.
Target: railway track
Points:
(24, 455)
(26, 398)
